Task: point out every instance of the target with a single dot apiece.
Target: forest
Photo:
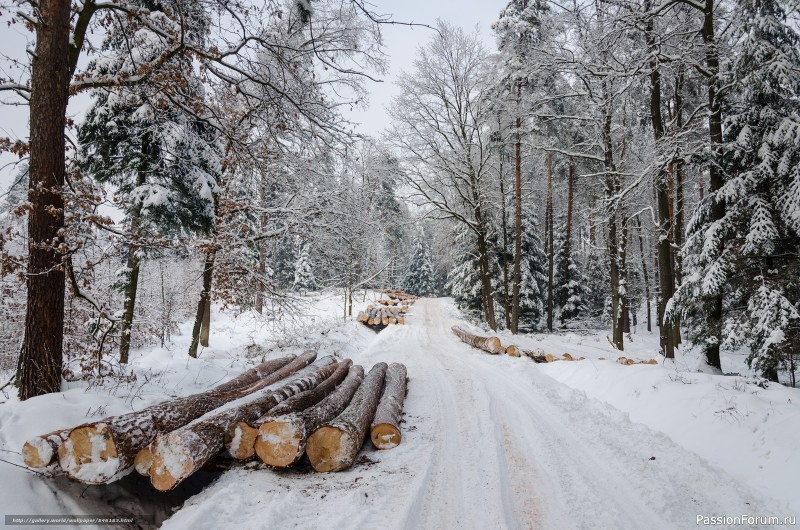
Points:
(610, 165)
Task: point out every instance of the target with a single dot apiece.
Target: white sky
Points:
(401, 43)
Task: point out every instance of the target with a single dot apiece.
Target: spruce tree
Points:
(750, 254)
(533, 268)
(304, 280)
(420, 278)
(463, 280)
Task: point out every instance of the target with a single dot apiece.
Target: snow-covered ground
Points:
(489, 442)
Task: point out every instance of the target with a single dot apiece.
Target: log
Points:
(241, 437)
(488, 344)
(513, 351)
(143, 461)
(104, 451)
(334, 446)
(282, 440)
(385, 429)
(180, 453)
(41, 451)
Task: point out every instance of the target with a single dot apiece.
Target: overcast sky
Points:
(401, 43)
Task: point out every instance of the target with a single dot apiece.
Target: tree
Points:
(229, 53)
(533, 272)
(751, 250)
(440, 125)
(303, 272)
(420, 279)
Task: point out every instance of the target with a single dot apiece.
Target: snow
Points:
(488, 441)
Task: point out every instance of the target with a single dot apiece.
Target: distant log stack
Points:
(396, 294)
(378, 317)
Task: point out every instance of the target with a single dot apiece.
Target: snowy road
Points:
(489, 442)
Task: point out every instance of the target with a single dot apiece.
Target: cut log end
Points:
(89, 454)
(385, 436)
(240, 441)
(493, 345)
(171, 464)
(279, 443)
(143, 462)
(329, 448)
(38, 453)
(513, 351)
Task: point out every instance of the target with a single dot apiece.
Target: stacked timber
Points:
(378, 317)
(273, 410)
(396, 294)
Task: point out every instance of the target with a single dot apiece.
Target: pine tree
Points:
(284, 257)
(463, 280)
(420, 278)
(597, 286)
(303, 274)
(751, 252)
(533, 268)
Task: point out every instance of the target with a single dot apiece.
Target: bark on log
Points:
(240, 437)
(104, 451)
(488, 344)
(42, 451)
(334, 446)
(282, 440)
(180, 453)
(385, 430)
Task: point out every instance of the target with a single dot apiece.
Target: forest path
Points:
(489, 442)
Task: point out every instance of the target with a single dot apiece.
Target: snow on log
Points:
(41, 451)
(240, 437)
(104, 451)
(385, 430)
(180, 453)
(488, 344)
(334, 446)
(282, 440)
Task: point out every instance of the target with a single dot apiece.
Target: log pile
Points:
(397, 294)
(378, 317)
(278, 410)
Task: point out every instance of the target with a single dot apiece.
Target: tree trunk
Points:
(486, 279)
(103, 451)
(282, 441)
(645, 274)
(621, 322)
(488, 344)
(550, 241)
(202, 319)
(665, 259)
(334, 446)
(240, 437)
(507, 302)
(126, 326)
(181, 452)
(515, 306)
(385, 430)
(41, 355)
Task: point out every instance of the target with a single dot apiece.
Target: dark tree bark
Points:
(41, 355)
(202, 319)
(515, 306)
(550, 246)
(134, 262)
(665, 258)
(645, 274)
